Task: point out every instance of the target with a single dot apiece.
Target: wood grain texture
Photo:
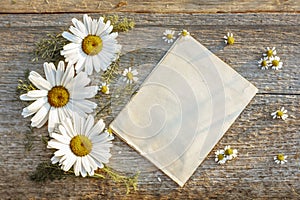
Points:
(146, 6)
(255, 134)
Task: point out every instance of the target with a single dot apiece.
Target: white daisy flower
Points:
(230, 153)
(80, 144)
(58, 96)
(129, 75)
(280, 114)
(229, 39)
(264, 63)
(104, 88)
(280, 159)
(92, 46)
(220, 157)
(270, 52)
(185, 34)
(276, 63)
(169, 36)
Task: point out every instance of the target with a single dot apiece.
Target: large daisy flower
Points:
(58, 96)
(80, 144)
(92, 46)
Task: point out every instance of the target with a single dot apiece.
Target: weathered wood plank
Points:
(171, 6)
(253, 34)
(255, 134)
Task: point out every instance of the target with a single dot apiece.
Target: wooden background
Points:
(258, 138)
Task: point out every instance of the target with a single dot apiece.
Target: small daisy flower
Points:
(230, 153)
(220, 157)
(280, 114)
(264, 63)
(104, 88)
(280, 159)
(229, 39)
(270, 52)
(92, 46)
(58, 96)
(276, 63)
(185, 34)
(169, 36)
(129, 75)
(80, 143)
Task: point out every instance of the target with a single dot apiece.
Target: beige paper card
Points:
(183, 109)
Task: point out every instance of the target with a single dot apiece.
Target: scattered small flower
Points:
(280, 159)
(230, 153)
(270, 52)
(184, 33)
(169, 36)
(280, 114)
(129, 75)
(229, 39)
(264, 63)
(104, 88)
(220, 157)
(276, 63)
(80, 143)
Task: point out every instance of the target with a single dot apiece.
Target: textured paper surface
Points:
(183, 109)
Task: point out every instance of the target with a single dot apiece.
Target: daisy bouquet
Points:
(63, 96)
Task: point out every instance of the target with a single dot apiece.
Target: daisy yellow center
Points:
(275, 63)
(230, 40)
(228, 152)
(92, 45)
(280, 157)
(264, 63)
(279, 113)
(220, 157)
(104, 89)
(184, 33)
(129, 75)
(170, 36)
(58, 96)
(81, 145)
(269, 53)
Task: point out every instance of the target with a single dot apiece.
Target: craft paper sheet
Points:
(183, 109)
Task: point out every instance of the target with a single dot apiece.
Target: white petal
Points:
(37, 93)
(68, 75)
(84, 92)
(97, 129)
(25, 97)
(39, 81)
(53, 119)
(69, 162)
(80, 26)
(88, 65)
(86, 164)
(77, 166)
(61, 138)
(85, 105)
(67, 128)
(41, 116)
(77, 32)
(50, 72)
(71, 37)
(89, 123)
(79, 65)
(60, 72)
(87, 23)
(34, 107)
(80, 80)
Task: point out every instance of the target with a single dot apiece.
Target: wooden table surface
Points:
(258, 138)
